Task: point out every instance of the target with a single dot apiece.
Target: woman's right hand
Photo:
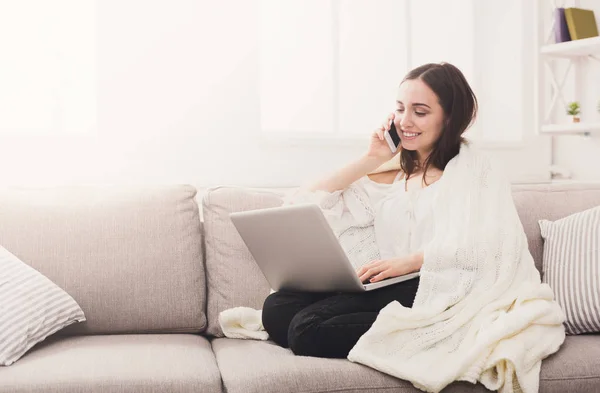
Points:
(379, 148)
(378, 154)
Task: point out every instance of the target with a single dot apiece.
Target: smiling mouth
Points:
(410, 135)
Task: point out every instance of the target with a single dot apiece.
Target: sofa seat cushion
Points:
(574, 368)
(249, 366)
(115, 363)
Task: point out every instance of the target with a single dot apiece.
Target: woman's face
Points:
(419, 118)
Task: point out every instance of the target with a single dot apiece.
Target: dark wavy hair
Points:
(460, 109)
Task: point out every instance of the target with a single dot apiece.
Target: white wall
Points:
(581, 154)
(177, 101)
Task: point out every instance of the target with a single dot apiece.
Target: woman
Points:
(435, 106)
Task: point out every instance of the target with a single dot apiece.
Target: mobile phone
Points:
(392, 138)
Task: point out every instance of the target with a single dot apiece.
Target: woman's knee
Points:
(278, 310)
(312, 333)
(301, 335)
(269, 311)
(284, 305)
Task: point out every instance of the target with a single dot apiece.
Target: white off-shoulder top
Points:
(403, 221)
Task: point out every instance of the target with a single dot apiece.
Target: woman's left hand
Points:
(387, 268)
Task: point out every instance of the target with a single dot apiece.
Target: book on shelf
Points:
(561, 30)
(581, 23)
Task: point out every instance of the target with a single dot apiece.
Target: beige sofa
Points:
(152, 278)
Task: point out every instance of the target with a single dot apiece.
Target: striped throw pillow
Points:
(31, 308)
(572, 268)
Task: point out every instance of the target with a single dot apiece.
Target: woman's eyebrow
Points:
(415, 104)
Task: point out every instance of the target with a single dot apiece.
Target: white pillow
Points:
(31, 308)
(572, 268)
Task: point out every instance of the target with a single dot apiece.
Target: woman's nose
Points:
(405, 121)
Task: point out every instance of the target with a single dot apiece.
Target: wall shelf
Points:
(577, 48)
(556, 64)
(571, 128)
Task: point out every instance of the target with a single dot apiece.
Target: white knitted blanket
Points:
(481, 312)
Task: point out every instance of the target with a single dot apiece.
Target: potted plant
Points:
(574, 110)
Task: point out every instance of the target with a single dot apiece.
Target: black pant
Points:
(328, 324)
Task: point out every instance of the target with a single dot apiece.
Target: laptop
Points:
(296, 250)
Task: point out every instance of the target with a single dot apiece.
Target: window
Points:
(47, 62)
(330, 68)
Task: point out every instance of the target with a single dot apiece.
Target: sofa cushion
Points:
(279, 370)
(233, 277)
(31, 308)
(574, 368)
(550, 202)
(115, 363)
(129, 256)
(572, 267)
